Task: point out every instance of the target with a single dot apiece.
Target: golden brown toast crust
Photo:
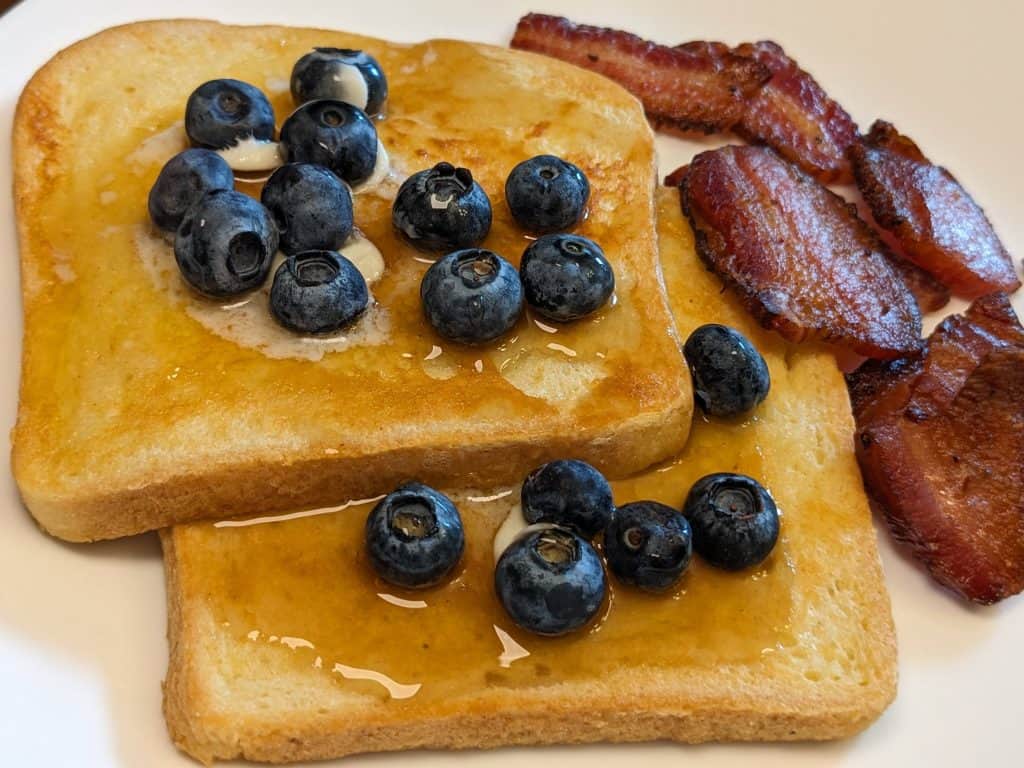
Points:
(134, 416)
(628, 705)
(833, 673)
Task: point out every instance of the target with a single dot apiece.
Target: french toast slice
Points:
(284, 647)
(143, 406)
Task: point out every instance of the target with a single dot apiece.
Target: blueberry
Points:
(729, 375)
(333, 134)
(351, 76)
(184, 179)
(471, 296)
(225, 244)
(317, 292)
(414, 536)
(734, 519)
(550, 581)
(565, 277)
(312, 207)
(568, 493)
(547, 194)
(648, 545)
(442, 209)
(220, 113)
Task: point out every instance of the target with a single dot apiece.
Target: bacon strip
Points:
(797, 254)
(936, 222)
(675, 178)
(940, 440)
(929, 293)
(881, 386)
(755, 89)
(793, 115)
(700, 88)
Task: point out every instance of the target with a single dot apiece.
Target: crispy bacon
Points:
(797, 254)
(929, 293)
(954, 350)
(878, 385)
(755, 89)
(940, 440)
(793, 115)
(938, 225)
(675, 178)
(699, 88)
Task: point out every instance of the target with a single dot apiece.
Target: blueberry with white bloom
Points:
(414, 536)
(566, 277)
(318, 292)
(225, 244)
(547, 194)
(183, 181)
(472, 296)
(442, 209)
(312, 207)
(220, 113)
(333, 134)
(352, 76)
(550, 581)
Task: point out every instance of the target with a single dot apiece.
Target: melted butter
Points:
(381, 172)
(158, 148)
(366, 256)
(248, 322)
(308, 577)
(350, 86)
(401, 602)
(513, 524)
(276, 86)
(252, 154)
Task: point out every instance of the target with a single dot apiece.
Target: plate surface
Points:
(82, 645)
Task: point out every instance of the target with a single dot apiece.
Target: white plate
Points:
(82, 647)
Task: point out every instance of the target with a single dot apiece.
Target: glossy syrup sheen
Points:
(304, 588)
(127, 373)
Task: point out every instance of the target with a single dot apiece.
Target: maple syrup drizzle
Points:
(308, 577)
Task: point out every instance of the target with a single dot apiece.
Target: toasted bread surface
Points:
(285, 647)
(142, 407)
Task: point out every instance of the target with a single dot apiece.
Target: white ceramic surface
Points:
(82, 647)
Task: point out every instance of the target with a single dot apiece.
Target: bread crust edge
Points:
(713, 710)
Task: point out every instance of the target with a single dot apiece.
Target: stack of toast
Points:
(259, 463)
